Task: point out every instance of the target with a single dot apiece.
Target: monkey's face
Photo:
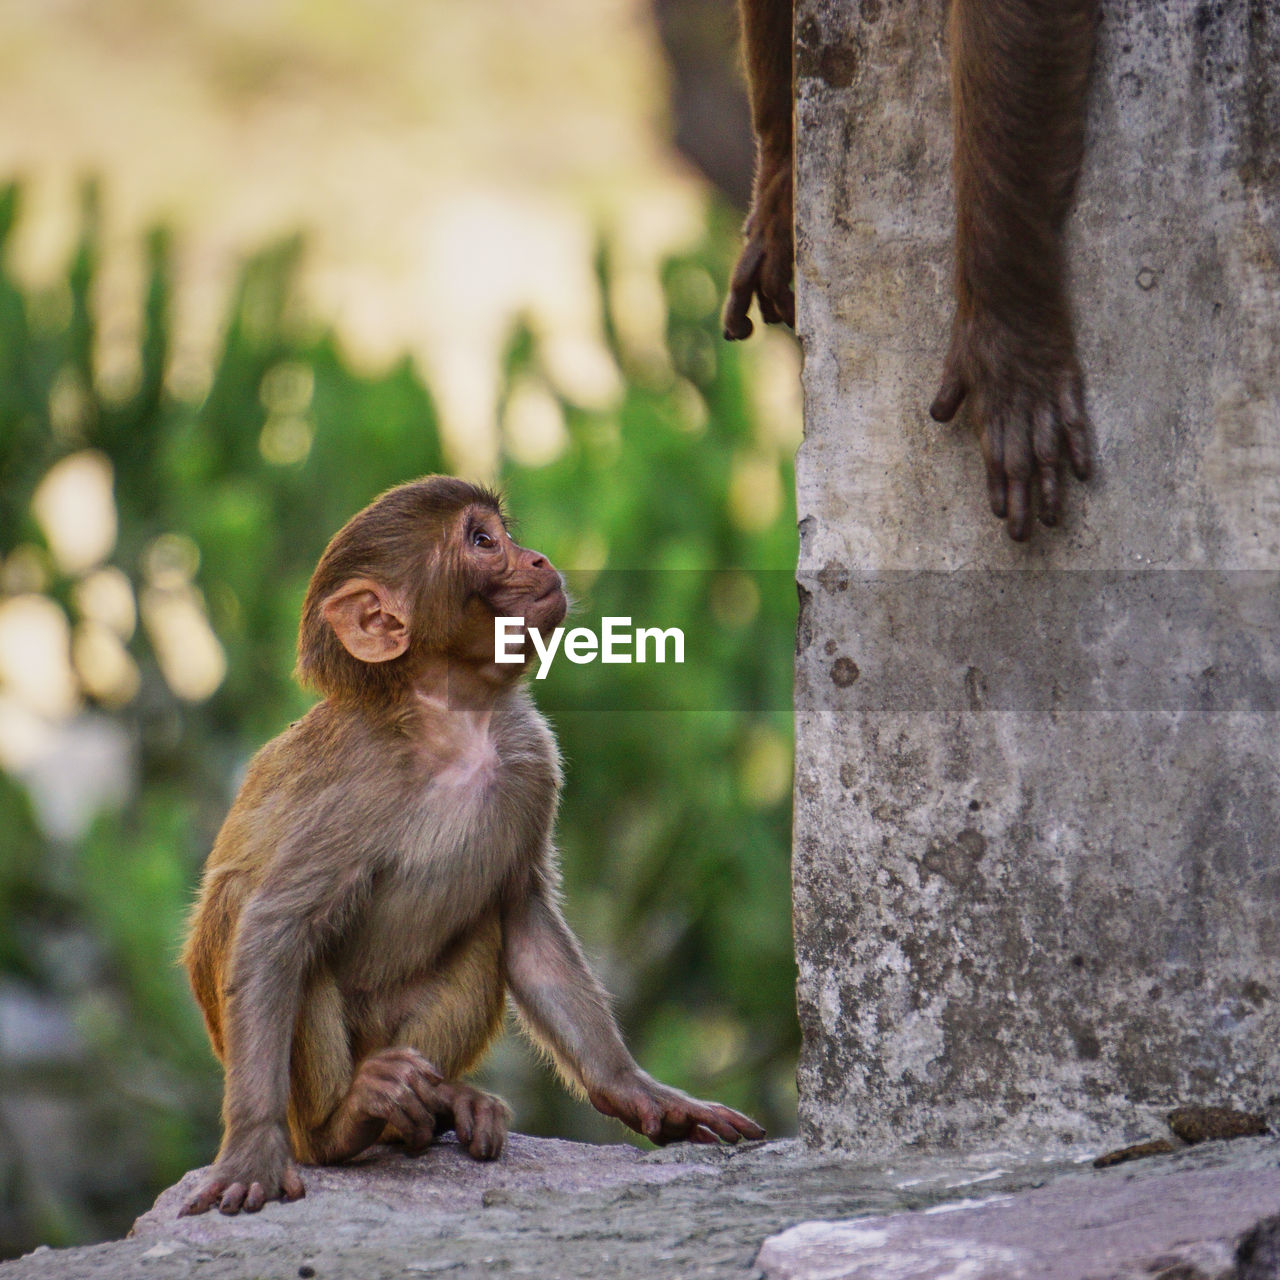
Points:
(510, 581)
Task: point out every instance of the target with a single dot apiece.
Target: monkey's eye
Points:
(481, 539)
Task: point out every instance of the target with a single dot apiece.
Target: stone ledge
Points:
(561, 1209)
(1183, 1226)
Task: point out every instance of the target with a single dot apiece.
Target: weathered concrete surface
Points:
(558, 1209)
(1037, 787)
(1188, 1226)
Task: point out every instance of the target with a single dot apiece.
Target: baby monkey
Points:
(387, 874)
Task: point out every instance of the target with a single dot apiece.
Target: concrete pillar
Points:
(1037, 833)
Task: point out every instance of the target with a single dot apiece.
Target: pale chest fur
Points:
(463, 832)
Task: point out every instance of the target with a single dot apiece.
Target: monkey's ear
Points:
(370, 625)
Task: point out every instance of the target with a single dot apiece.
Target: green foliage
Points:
(677, 817)
(670, 506)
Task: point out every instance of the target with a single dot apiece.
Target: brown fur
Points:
(387, 876)
(1019, 72)
(386, 540)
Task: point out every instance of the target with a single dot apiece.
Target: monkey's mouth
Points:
(549, 609)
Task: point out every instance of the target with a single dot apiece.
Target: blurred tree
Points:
(710, 117)
(672, 506)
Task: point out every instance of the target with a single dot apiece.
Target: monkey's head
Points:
(420, 574)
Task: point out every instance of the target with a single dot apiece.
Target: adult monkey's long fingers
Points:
(775, 284)
(742, 289)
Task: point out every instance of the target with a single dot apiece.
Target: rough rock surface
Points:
(1183, 1226)
(1037, 790)
(558, 1209)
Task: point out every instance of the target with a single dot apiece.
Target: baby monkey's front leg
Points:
(567, 1010)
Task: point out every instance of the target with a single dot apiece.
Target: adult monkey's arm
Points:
(765, 264)
(1020, 70)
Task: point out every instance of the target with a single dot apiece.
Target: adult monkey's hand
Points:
(1019, 71)
(765, 265)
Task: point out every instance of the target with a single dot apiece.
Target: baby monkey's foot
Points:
(479, 1119)
(390, 1095)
